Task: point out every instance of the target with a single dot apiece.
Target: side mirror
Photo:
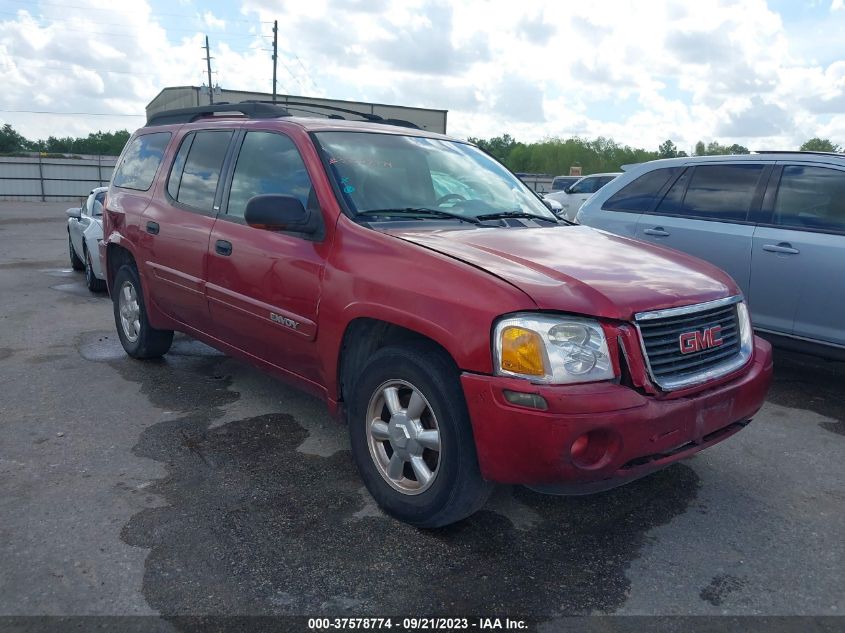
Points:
(278, 212)
(568, 189)
(74, 213)
(553, 205)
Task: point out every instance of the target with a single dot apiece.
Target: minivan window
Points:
(268, 163)
(639, 195)
(587, 185)
(198, 181)
(715, 192)
(559, 184)
(811, 198)
(140, 161)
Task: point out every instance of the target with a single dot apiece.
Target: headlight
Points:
(746, 334)
(551, 349)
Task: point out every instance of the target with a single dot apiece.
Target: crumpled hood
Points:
(580, 269)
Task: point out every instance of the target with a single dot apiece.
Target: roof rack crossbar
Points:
(796, 151)
(250, 109)
(367, 116)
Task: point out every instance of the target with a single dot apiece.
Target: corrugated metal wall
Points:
(53, 179)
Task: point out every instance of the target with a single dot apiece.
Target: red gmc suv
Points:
(466, 335)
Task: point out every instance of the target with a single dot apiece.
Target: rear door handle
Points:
(782, 247)
(152, 228)
(658, 231)
(223, 247)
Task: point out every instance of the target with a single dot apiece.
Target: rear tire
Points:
(138, 337)
(75, 262)
(411, 437)
(91, 280)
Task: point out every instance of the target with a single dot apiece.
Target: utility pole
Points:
(208, 64)
(275, 54)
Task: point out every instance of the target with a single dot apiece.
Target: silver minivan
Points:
(774, 221)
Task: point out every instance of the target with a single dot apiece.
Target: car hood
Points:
(580, 269)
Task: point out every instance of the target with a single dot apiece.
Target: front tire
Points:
(138, 337)
(75, 262)
(91, 280)
(411, 437)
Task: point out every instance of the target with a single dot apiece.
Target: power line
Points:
(28, 3)
(53, 65)
(167, 30)
(71, 113)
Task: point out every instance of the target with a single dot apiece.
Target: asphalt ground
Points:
(196, 485)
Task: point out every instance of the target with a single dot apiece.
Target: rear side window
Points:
(811, 198)
(196, 168)
(713, 192)
(140, 161)
(268, 163)
(638, 196)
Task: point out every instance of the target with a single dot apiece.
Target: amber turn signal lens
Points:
(522, 352)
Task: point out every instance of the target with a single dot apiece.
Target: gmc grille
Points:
(661, 334)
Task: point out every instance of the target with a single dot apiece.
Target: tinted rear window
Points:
(201, 173)
(811, 198)
(140, 161)
(714, 192)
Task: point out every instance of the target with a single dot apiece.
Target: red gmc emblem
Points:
(700, 339)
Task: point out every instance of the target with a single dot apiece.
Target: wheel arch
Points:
(117, 256)
(362, 338)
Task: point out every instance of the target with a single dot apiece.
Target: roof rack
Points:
(367, 116)
(251, 109)
(796, 151)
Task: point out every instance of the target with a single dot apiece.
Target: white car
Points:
(84, 233)
(573, 197)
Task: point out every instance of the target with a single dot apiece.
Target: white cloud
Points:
(638, 72)
(837, 5)
(212, 21)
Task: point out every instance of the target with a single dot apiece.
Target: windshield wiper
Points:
(515, 214)
(419, 213)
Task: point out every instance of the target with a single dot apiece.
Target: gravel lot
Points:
(198, 485)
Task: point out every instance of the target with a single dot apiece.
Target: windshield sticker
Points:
(347, 188)
(368, 162)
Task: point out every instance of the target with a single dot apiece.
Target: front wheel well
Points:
(363, 338)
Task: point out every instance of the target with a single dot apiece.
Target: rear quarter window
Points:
(639, 195)
(811, 199)
(140, 161)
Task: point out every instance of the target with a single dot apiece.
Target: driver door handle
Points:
(782, 247)
(658, 231)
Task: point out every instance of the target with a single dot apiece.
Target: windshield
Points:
(391, 172)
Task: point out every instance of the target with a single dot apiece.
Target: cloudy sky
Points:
(763, 74)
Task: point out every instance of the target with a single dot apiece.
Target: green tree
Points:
(700, 149)
(820, 145)
(667, 149)
(11, 140)
(499, 146)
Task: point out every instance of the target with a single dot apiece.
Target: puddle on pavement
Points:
(105, 346)
(254, 525)
(59, 272)
(804, 382)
